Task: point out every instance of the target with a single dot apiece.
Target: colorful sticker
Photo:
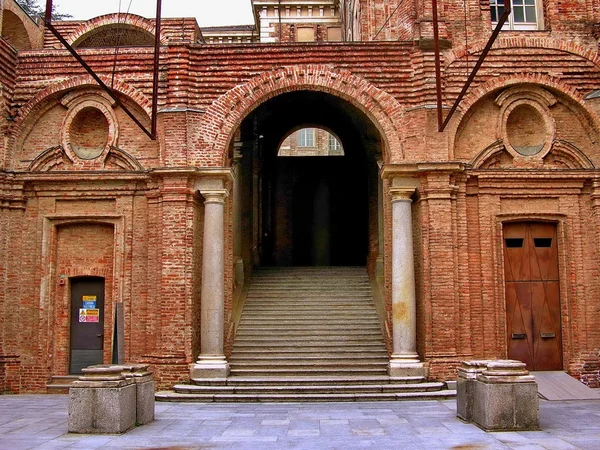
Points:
(89, 315)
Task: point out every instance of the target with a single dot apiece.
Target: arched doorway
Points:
(308, 209)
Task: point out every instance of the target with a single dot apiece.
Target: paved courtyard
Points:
(40, 421)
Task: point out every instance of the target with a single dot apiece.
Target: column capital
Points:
(401, 194)
(214, 195)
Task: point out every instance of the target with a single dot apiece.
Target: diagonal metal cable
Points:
(388, 19)
(119, 35)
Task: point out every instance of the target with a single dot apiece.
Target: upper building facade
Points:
(481, 241)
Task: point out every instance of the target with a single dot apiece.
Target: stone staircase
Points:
(308, 334)
(60, 384)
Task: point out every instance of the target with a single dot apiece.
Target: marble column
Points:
(211, 361)
(404, 360)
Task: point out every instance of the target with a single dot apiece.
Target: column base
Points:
(406, 366)
(210, 367)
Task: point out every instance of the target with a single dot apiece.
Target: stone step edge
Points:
(301, 398)
(310, 357)
(236, 380)
(421, 387)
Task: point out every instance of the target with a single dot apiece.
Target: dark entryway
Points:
(306, 210)
(87, 322)
(532, 295)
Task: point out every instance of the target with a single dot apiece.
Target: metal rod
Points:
(156, 65)
(89, 70)
(484, 53)
(438, 64)
(48, 17)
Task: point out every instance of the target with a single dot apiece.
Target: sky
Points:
(207, 12)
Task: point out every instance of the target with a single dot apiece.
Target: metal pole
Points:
(89, 70)
(156, 64)
(438, 69)
(473, 74)
(48, 17)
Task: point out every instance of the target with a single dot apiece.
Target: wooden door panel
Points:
(547, 346)
(544, 260)
(532, 295)
(518, 310)
(515, 251)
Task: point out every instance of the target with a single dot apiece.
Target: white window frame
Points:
(333, 144)
(519, 26)
(306, 137)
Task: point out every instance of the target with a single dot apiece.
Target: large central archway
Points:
(307, 210)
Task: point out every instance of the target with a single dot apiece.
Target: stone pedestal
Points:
(465, 387)
(103, 401)
(144, 386)
(506, 398)
(404, 360)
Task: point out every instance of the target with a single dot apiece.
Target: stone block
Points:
(209, 369)
(144, 391)
(506, 398)
(465, 387)
(145, 402)
(406, 368)
(103, 401)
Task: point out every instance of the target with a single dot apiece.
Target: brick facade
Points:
(132, 212)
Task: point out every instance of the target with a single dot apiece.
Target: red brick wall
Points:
(207, 91)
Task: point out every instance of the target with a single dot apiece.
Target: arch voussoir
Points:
(226, 114)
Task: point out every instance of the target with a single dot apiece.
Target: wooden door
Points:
(532, 295)
(87, 322)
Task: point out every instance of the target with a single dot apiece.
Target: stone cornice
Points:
(410, 169)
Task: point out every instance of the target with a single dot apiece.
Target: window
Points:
(334, 34)
(306, 34)
(334, 145)
(526, 14)
(306, 137)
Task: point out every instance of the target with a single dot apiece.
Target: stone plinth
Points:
(144, 385)
(506, 398)
(465, 387)
(102, 401)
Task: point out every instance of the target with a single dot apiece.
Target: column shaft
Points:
(404, 360)
(211, 361)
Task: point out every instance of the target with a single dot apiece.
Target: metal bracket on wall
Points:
(152, 133)
(438, 71)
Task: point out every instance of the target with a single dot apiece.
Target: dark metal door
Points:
(532, 295)
(87, 322)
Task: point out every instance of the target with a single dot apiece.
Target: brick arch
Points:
(14, 31)
(41, 97)
(226, 114)
(564, 45)
(115, 19)
(542, 80)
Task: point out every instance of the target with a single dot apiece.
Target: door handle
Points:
(100, 335)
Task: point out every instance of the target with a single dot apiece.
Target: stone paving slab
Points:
(40, 422)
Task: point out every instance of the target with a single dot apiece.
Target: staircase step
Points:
(270, 355)
(309, 389)
(330, 397)
(308, 334)
(306, 371)
(257, 355)
(60, 384)
(307, 380)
